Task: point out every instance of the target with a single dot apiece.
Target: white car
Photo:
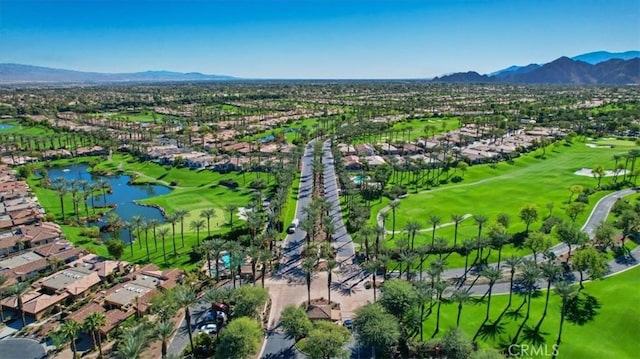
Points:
(209, 328)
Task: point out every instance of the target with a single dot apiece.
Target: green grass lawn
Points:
(418, 125)
(290, 131)
(506, 188)
(195, 191)
(610, 331)
(509, 187)
(289, 211)
(142, 116)
(20, 129)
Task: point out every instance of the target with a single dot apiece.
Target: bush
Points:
(583, 198)
(456, 179)
(549, 223)
(173, 183)
(91, 232)
(229, 183)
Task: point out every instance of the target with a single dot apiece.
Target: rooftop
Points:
(21, 259)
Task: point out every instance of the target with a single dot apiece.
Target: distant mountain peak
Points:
(563, 70)
(597, 57)
(18, 73)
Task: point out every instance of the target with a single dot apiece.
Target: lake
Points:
(123, 195)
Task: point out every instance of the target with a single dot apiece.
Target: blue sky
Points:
(313, 38)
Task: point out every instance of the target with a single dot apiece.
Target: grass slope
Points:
(610, 331)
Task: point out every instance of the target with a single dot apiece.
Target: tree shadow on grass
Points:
(516, 314)
(491, 329)
(534, 335)
(582, 308)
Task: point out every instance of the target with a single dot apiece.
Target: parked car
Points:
(221, 307)
(209, 328)
(209, 316)
(348, 323)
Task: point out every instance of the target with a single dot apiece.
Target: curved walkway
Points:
(598, 215)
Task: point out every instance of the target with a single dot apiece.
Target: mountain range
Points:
(599, 67)
(17, 73)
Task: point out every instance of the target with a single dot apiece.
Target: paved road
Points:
(598, 215)
(342, 240)
(278, 345)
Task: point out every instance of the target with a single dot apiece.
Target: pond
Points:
(123, 195)
(4, 126)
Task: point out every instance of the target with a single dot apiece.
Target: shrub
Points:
(91, 232)
(173, 183)
(583, 198)
(229, 183)
(549, 223)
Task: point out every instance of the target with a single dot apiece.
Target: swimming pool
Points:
(359, 179)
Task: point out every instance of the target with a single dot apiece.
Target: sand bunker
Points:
(589, 172)
(592, 145)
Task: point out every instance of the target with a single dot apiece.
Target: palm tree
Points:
(264, 257)
(92, 324)
(231, 208)
(162, 232)
(217, 246)
(467, 248)
(173, 219)
(513, 262)
(460, 296)
(424, 294)
(308, 265)
(329, 228)
(492, 274)
(406, 257)
(236, 259)
(104, 186)
(130, 227)
(498, 240)
(551, 273)
(70, 330)
(164, 332)
(372, 267)
(412, 228)
(439, 288)
(208, 213)
(456, 219)
(181, 214)
(154, 223)
(132, 342)
(480, 221)
(393, 205)
(145, 227)
(423, 253)
(329, 267)
(61, 191)
(434, 221)
(185, 297)
(18, 290)
(530, 275)
(197, 224)
(136, 224)
(439, 246)
(566, 291)
(115, 224)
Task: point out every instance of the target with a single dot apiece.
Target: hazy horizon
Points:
(328, 39)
